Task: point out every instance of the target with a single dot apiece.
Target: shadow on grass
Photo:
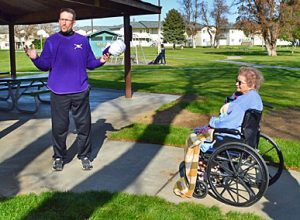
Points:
(239, 52)
(60, 205)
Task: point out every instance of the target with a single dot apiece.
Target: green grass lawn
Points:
(105, 205)
(195, 71)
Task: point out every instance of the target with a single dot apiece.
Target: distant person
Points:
(162, 54)
(66, 55)
(161, 57)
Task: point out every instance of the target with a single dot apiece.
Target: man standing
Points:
(66, 55)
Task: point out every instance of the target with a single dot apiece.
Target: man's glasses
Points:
(66, 20)
(239, 82)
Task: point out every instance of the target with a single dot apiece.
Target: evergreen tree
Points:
(173, 28)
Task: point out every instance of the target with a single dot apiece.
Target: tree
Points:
(205, 18)
(218, 14)
(191, 14)
(249, 27)
(23, 32)
(267, 16)
(173, 28)
(49, 28)
(290, 21)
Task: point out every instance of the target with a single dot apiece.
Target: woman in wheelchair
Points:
(246, 96)
(231, 116)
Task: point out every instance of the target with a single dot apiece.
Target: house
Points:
(4, 38)
(203, 38)
(144, 33)
(231, 36)
(87, 30)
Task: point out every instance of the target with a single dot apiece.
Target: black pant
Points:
(163, 59)
(79, 104)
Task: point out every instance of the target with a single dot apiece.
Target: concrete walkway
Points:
(25, 158)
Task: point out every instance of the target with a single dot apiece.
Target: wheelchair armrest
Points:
(227, 131)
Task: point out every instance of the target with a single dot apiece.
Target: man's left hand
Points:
(104, 58)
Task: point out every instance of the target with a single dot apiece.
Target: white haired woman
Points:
(231, 116)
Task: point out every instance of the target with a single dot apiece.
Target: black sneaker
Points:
(86, 164)
(58, 164)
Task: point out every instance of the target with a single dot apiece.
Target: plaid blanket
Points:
(185, 186)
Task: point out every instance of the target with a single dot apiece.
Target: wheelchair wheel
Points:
(272, 155)
(237, 174)
(201, 190)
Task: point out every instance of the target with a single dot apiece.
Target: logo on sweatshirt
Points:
(77, 46)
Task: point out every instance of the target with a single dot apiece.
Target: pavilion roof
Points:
(45, 11)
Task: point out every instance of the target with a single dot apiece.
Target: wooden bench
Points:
(246, 43)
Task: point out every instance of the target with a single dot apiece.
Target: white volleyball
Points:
(117, 48)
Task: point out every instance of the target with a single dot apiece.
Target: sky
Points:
(167, 5)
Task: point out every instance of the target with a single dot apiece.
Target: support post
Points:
(12, 52)
(127, 39)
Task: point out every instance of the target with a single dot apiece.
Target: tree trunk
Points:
(270, 34)
(194, 41)
(210, 37)
(217, 43)
(271, 48)
(293, 48)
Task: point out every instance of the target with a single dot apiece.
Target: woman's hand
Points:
(31, 52)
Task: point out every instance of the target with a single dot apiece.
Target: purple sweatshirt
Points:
(66, 58)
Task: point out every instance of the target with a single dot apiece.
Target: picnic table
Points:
(21, 86)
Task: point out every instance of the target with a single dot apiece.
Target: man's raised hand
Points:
(31, 52)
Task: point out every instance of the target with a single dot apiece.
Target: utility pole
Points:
(92, 24)
(158, 42)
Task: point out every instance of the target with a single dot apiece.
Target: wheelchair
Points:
(239, 171)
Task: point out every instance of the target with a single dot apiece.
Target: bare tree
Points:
(218, 14)
(49, 28)
(205, 17)
(191, 14)
(24, 32)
